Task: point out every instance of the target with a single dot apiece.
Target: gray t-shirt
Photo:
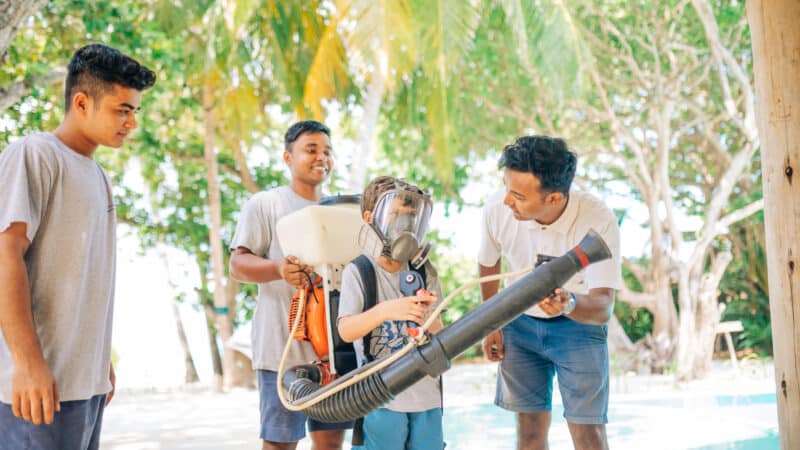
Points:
(391, 335)
(256, 232)
(65, 200)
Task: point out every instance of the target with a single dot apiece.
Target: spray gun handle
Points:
(411, 284)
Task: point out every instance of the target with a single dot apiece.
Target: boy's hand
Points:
(412, 308)
(294, 272)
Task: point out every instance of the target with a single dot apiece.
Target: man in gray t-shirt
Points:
(256, 257)
(57, 260)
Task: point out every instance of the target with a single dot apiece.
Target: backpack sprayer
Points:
(323, 236)
(325, 398)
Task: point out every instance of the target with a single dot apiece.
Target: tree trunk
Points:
(698, 325)
(12, 14)
(242, 373)
(208, 308)
(372, 107)
(243, 168)
(618, 340)
(709, 313)
(776, 56)
(665, 316)
(190, 375)
(216, 359)
(222, 311)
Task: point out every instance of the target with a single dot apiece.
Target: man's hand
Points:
(294, 272)
(556, 303)
(112, 377)
(34, 393)
(493, 346)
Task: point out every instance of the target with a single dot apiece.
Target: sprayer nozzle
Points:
(591, 249)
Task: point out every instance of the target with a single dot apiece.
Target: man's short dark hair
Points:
(96, 68)
(547, 158)
(298, 129)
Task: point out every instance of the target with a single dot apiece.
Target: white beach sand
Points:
(645, 412)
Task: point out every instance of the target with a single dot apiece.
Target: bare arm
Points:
(35, 396)
(595, 308)
(493, 344)
(250, 268)
(489, 289)
(358, 325)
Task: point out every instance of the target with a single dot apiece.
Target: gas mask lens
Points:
(398, 213)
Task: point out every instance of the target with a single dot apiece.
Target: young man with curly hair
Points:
(538, 217)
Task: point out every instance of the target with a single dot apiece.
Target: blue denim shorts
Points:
(537, 349)
(278, 424)
(77, 426)
(391, 430)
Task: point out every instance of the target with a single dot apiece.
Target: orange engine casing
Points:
(313, 319)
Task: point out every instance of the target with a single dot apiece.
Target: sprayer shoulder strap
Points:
(370, 283)
(370, 291)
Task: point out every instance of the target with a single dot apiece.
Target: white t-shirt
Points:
(65, 200)
(520, 242)
(256, 232)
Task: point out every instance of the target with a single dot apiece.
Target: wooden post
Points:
(776, 56)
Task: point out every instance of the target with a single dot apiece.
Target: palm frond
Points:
(381, 35)
(549, 43)
(328, 74)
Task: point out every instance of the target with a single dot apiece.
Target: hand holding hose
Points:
(295, 272)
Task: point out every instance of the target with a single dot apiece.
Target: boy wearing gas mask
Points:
(396, 216)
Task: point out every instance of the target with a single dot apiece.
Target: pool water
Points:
(747, 422)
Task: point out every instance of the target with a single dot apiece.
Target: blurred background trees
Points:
(656, 97)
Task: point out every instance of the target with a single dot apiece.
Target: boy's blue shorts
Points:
(536, 349)
(76, 426)
(278, 424)
(391, 430)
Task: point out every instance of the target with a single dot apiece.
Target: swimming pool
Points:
(697, 422)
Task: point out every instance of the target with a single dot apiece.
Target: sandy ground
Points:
(645, 412)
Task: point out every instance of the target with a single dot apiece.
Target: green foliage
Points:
(455, 271)
(637, 322)
(744, 289)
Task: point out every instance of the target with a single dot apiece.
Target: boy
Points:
(396, 215)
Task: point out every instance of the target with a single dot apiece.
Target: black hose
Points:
(351, 403)
(433, 358)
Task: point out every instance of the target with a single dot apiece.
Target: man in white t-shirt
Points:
(256, 257)
(57, 260)
(538, 217)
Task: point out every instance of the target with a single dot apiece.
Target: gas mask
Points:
(399, 223)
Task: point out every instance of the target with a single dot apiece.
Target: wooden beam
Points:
(775, 37)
